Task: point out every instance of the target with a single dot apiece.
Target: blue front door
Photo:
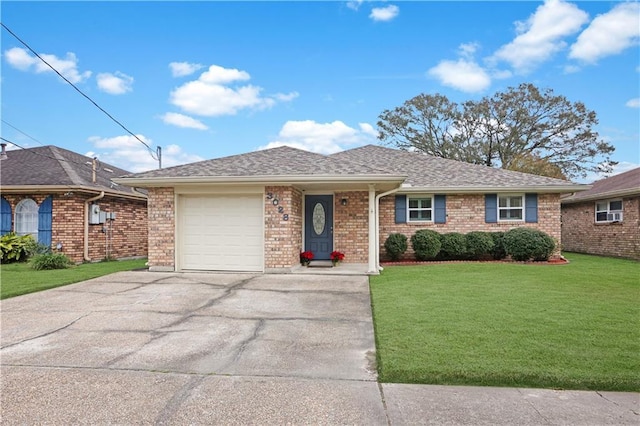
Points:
(318, 228)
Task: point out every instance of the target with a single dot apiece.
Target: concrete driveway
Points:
(168, 348)
(140, 347)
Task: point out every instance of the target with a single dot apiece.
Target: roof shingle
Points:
(623, 183)
(53, 166)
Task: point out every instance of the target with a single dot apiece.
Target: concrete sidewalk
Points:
(167, 348)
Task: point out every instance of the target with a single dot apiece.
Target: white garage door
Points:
(221, 232)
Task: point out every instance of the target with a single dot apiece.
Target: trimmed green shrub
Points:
(426, 244)
(14, 248)
(524, 244)
(453, 246)
(498, 252)
(48, 261)
(395, 245)
(479, 244)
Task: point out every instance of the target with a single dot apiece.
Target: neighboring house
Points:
(605, 219)
(258, 211)
(68, 202)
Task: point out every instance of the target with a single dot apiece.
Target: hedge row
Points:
(522, 244)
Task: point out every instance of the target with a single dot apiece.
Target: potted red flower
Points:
(336, 257)
(306, 257)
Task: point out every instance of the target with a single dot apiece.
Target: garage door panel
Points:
(221, 233)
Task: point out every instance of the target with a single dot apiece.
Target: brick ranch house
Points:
(604, 220)
(258, 211)
(68, 202)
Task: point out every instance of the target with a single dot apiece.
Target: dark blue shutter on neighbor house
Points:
(5, 216)
(491, 208)
(45, 219)
(531, 208)
(440, 204)
(401, 208)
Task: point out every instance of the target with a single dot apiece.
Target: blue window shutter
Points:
(401, 209)
(5, 216)
(531, 208)
(440, 203)
(45, 220)
(491, 208)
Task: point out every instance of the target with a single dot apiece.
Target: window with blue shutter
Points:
(440, 204)
(531, 208)
(401, 208)
(5, 216)
(45, 221)
(491, 208)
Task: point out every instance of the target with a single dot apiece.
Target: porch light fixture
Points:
(343, 201)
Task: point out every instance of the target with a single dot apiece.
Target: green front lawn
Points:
(574, 326)
(19, 278)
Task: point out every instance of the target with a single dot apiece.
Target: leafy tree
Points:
(520, 126)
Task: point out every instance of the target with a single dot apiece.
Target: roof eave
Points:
(40, 189)
(604, 195)
(261, 180)
(472, 189)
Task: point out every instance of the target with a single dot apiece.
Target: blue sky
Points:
(210, 79)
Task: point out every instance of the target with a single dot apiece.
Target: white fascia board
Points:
(258, 180)
(541, 189)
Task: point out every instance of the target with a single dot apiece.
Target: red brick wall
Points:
(351, 226)
(127, 236)
(161, 216)
(581, 234)
(465, 213)
(282, 238)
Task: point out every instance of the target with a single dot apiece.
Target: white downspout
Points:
(86, 224)
(377, 218)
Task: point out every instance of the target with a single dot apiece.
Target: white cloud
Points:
(609, 33)
(354, 4)
(467, 50)
(368, 129)
(571, 69)
(21, 59)
(181, 69)
(621, 167)
(384, 13)
(182, 120)
(211, 94)
(114, 84)
(129, 154)
(323, 138)
(286, 97)
(542, 35)
(633, 103)
(464, 75)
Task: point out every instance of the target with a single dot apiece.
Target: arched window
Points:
(27, 218)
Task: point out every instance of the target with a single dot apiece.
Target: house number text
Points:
(274, 200)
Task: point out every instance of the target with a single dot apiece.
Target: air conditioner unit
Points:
(614, 217)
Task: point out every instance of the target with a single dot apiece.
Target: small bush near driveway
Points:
(573, 326)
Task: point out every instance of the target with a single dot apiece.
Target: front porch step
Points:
(320, 264)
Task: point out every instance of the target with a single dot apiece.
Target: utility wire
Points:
(151, 151)
(15, 128)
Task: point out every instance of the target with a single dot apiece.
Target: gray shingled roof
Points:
(281, 161)
(420, 170)
(627, 183)
(428, 171)
(53, 166)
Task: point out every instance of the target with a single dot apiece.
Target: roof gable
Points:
(53, 166)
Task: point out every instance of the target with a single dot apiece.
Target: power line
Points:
(155, 156)
(15, 128)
